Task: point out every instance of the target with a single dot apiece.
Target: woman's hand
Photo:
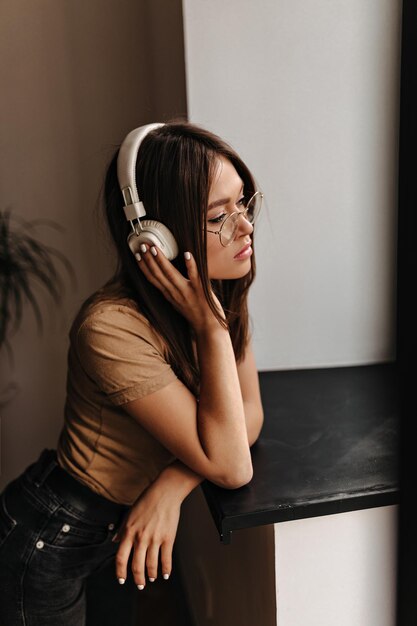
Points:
(185, 295)
(150, 528)
(152, 522)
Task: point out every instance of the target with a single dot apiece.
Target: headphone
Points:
(145, 231)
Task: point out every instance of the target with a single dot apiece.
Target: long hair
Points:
(174, 172)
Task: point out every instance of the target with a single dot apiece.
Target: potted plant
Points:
(25, 262)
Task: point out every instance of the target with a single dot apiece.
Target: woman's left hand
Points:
(150, 528)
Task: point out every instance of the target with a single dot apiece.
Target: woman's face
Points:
(226, 194)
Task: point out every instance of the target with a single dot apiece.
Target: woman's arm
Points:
(151, 525)
(210, 436)
(251, 395)
(154, 517)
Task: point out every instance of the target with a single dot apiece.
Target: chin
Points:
(231, 273)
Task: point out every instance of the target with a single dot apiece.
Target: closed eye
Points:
(218, 219)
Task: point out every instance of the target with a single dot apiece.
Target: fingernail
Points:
(121, 581)
(140, 587)
(166, 576)
(187, 256)
(138, 257)
(154, 251)
(152, 580)
(143, 247)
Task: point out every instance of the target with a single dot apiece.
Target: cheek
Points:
(215, 256)
(220, 262)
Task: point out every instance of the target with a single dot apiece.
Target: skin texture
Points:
(227, 185)
(224, 423)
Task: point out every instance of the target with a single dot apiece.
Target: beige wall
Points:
(75, 77)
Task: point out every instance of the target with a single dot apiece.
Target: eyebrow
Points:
(222, 201)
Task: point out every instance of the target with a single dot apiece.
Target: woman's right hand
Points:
(185, 295)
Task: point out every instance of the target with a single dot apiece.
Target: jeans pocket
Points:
(72, 531)
(7, 523)
(49, 563)
(69, 547)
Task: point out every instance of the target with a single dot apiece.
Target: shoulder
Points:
(115, 345)
(112, 311)
(112, 321)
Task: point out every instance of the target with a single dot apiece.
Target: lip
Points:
(244, 252)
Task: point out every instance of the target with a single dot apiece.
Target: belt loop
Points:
(46, 463)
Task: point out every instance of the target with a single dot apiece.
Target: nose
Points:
(244, 227)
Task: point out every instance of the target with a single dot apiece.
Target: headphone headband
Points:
(150, 232)
(126, 170)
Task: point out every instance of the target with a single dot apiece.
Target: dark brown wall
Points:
(76, 76)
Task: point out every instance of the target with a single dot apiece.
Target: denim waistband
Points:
(67, 489)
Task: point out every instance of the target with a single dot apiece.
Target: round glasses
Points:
(228, 229)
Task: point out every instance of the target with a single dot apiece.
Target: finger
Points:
(151, 272)
(166, 559)
(191, 266)
(152, 561)
(169, 271)
(169, 279)
(138, 564)
(121, 559)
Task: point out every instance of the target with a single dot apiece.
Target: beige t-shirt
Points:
(114, 356)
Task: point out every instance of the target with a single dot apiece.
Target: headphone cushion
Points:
(154, 233)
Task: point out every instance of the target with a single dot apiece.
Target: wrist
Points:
(210, 331)
(177, 481)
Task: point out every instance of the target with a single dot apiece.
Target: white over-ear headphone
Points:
(145, 231)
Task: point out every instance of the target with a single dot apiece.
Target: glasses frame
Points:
(238, 213)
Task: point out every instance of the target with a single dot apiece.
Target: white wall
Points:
(307, 92)
(337, 569)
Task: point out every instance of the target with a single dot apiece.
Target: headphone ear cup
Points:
(154, 233)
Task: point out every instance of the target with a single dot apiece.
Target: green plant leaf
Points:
(24, 263)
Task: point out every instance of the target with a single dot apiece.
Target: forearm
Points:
(177, 480)
(254, 421)
(221, 422)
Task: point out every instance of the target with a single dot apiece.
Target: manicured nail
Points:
(138, 257)
(165, 576)
(187, 256)
(143, 247)
(152, 580)
(154, 251)
(121, 581)
(140, 587)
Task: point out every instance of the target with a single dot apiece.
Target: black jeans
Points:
(54, 533)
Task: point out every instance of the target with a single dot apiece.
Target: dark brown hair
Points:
(174, 173)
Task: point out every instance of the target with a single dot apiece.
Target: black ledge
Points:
(329, 444)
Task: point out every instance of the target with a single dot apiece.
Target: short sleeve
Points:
(121, 353)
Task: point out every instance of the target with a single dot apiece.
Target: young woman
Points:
(162, 388)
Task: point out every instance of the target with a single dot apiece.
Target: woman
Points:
(162, 388)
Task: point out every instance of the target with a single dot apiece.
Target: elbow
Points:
(255, 431)
(260, 424)
(236, 479)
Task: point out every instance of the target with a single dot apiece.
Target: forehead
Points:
(226, 180)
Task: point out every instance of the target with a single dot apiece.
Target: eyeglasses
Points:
(228, 229)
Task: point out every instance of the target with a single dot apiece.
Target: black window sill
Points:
(329, 444)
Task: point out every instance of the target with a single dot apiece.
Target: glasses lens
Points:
(230, 224)
(228, 230)
(253, 207)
